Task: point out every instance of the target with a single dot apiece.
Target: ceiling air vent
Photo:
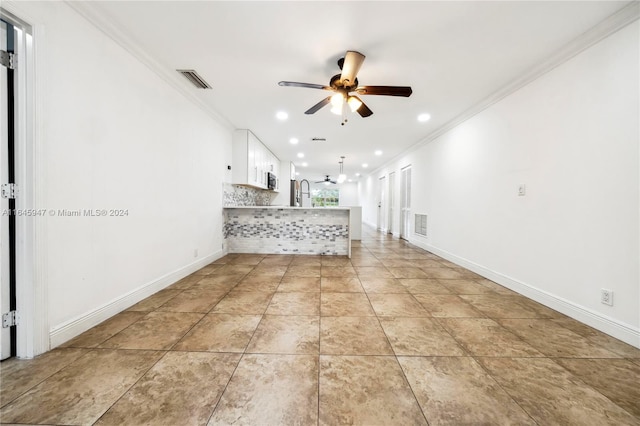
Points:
(194, 78)
(318, 139)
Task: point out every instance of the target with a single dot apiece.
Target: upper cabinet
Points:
(252, 161)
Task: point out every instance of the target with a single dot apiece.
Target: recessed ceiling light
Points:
(378, 152)
(305, 164)
(424, 117)
(300, 155)
(297, 173)
(350, 180)
(281, 115)
(358, 174)
(365, 165)
(293, 141)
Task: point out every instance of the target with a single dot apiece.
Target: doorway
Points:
(405, 202)
(7, 198)
(381, 206)
(392, 201)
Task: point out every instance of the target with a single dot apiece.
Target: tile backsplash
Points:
(238, 195)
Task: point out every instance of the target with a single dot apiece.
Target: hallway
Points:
(393, 336)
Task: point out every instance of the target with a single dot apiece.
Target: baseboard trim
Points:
(610, 326)
(84, 322)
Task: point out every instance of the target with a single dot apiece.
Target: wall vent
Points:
(318, 139)
(421, 224)
(194, 78)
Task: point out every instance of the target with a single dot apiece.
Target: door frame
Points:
(31, 289)
(381, 222)
(405, 202)
(391, 197)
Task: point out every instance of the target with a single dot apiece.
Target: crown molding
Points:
(625, 16)
(119, 35)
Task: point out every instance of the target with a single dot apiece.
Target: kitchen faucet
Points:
(308, 188)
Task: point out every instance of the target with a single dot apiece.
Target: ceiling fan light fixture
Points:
(336, 103)
(354, 103)
(342, 177)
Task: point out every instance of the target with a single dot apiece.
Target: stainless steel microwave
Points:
(271, 181)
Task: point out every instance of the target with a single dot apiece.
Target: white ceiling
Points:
(453, 55)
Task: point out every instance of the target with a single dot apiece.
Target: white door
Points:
(381, 205)
(392, 201)
(405, 202)
(7, 294)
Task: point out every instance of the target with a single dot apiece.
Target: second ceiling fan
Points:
(345, 83)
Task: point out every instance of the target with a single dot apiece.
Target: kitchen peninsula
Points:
(287, 230)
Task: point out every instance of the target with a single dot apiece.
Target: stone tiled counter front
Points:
(287, 230)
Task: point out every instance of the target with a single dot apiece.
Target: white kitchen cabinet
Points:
(252, 160)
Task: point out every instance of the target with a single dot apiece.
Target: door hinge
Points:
(10, 319)
(9, 190)
(8, 59)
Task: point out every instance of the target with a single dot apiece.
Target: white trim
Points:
(119, 35)
(597, 320)
(604, 29)
(84, 322)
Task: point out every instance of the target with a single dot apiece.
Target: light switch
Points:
(522, 190)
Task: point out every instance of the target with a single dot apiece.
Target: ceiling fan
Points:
(345, 83)
(326, 180)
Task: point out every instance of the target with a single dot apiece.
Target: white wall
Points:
(349, 194)
(117, 136)
(572, 136)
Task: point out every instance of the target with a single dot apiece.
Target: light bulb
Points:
(342, 177)
(354, 103)
(336, 102)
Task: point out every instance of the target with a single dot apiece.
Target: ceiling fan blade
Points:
(352, 62)
(385, 90)
(363, 110)
(306, 85)
(317, 106)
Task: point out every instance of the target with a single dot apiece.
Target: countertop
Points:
(287, 208)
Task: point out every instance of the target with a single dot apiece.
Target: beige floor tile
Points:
(457, 391)
(272, 270)
(345, 305)
(554, 340)
(208, 269)
(424, 285)
(105, 330)
(277, 259)
(247, 259)
(20, 375)
(220, 333)
(186, 282)
(442, 273)
(220, 282)
(419, 336)
(617, 379)
(243, 302)
(196, 300)
(549, 393)
(295, 270)
(465, 286)
(182, 388)
(233, 269)
(373, 272)
(294, 304)
(408, 272)
(382, 285)
(338, 271)
(157, 330)
(504, 306)
(155, 301)
(405, 305)
(397, 263)
(448, 305)
(495, 287)
(341, 285)
(271, 390)
(599, 338)
(336, 261)
(353, 336)
(306, 260)
(286, 335)
(80, 393)
(366, 391)
(263, 283)
(365, 261)
(485, 337)
(300, 284)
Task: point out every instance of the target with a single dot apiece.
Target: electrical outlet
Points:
(522, 190)
(606, 296)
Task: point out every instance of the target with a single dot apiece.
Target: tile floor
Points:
(393, 336)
